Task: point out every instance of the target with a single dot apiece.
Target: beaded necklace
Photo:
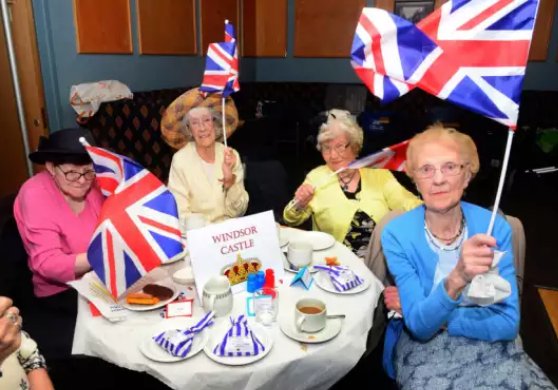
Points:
(438, 242)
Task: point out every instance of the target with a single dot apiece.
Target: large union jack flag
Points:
(221, 65)
(470, 52)
(138, 228)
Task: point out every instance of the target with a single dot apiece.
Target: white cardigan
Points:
(195, 193)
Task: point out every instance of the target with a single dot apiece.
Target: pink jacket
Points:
(52, 233)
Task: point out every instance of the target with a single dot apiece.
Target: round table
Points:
(289, 365)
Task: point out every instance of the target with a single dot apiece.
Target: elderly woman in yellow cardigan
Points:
(347, 205)
(205, 176)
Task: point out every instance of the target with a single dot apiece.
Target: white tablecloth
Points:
(289, 364)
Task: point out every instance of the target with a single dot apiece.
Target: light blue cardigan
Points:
(412, 263)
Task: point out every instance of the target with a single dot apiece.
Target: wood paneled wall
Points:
(264, 28)
(325, 28)
(213, 15)
(166, 26)
(103, 26)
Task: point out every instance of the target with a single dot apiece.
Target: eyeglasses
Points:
(448, 169)
(75, 176)
(339, 149)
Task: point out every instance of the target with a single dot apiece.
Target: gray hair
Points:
(217, 123)
(341, 122)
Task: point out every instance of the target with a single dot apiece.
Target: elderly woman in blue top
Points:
(433, 252)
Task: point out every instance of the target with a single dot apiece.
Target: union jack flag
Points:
(218, 64)
(138, 228)
(221, 65)
(232, 85)
(386, 51)
(470, 52)
(392, 157)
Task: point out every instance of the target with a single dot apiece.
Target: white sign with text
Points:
(235, 248)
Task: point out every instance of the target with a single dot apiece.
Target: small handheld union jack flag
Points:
(221, 65)
(218, 64)
(232, 84)
(138, 228)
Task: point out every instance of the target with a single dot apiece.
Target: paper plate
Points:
(151, 350)
(216, 337)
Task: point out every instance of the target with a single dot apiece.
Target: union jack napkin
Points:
(239, 340)
(179, 342)
(342, 277)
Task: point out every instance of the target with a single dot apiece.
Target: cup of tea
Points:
(217, 295)
(299, 253)
(310, 315)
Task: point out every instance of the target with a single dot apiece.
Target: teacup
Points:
(299, 253)
(217, 295)
(310, 315)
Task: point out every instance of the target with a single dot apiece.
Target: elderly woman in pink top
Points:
(56, 212)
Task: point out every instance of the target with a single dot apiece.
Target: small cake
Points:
(161, 292)
(141, 299)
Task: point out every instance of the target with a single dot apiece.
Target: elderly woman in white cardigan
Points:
(205, 176)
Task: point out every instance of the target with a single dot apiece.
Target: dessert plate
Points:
(151, 307)
(151, 350)
(323, 281)
(216, 337)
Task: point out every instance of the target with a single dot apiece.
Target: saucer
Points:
(184, 276)
(289, 267)
(318, 240)
(152, 351)
(332, 329)
(323, 281)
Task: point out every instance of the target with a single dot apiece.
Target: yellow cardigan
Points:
(332, 212)
(195, 193)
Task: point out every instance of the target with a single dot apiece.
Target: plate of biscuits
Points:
(150, 297)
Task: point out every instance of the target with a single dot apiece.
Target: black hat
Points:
(63, 146)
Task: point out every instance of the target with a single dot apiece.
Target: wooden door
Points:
(13, 168)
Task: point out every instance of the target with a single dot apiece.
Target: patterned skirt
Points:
(449, 362)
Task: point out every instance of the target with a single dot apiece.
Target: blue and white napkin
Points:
(341, 276)
(239, 340)
(179, 342)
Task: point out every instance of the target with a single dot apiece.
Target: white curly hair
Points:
(339, 122)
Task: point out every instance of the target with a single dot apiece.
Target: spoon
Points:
(334, 316)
